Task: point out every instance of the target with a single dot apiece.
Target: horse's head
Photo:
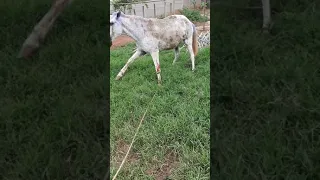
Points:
(115, 25)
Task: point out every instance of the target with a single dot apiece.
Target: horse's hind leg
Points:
(125, 67)
(188, 42)
(155, 58)
(176, 54)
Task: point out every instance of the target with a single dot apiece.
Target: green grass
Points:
(53, 107)
(266, 103)
(177, 120)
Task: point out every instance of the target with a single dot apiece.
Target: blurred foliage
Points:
(193, 15)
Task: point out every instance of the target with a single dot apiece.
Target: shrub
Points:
(193, 15)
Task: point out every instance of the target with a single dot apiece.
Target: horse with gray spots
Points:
(153, 35)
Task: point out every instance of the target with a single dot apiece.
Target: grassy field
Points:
(175, 133)
(266, 99)
(53, 107)
(266, 93)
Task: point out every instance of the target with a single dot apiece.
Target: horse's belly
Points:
(169, 43)
(167, 46)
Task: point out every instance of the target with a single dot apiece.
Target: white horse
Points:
(153, 35)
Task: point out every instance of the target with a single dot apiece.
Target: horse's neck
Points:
(132, 29)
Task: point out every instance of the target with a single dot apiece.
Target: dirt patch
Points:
(163, 171)
(120, 152)
(121, 41)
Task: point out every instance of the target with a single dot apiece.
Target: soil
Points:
(164, 170)
(121, 41)
(121, 150)
(160, 171)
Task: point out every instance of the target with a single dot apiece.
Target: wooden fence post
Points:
(154, 10)
(142, 11)
(170, 8)
(174, 10)
(132, 10)
(165, 10)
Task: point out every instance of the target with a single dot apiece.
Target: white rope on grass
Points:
(124, 159)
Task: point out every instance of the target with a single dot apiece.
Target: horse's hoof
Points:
(118, 78)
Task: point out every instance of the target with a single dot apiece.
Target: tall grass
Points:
(266, 93)
(53, 107)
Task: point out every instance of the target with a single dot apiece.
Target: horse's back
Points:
(177, 18)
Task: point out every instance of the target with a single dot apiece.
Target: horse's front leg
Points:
(155, 58)
(125, 67)
(39, 32)
(266, 15)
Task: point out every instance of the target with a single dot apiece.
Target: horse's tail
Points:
(194, 41)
